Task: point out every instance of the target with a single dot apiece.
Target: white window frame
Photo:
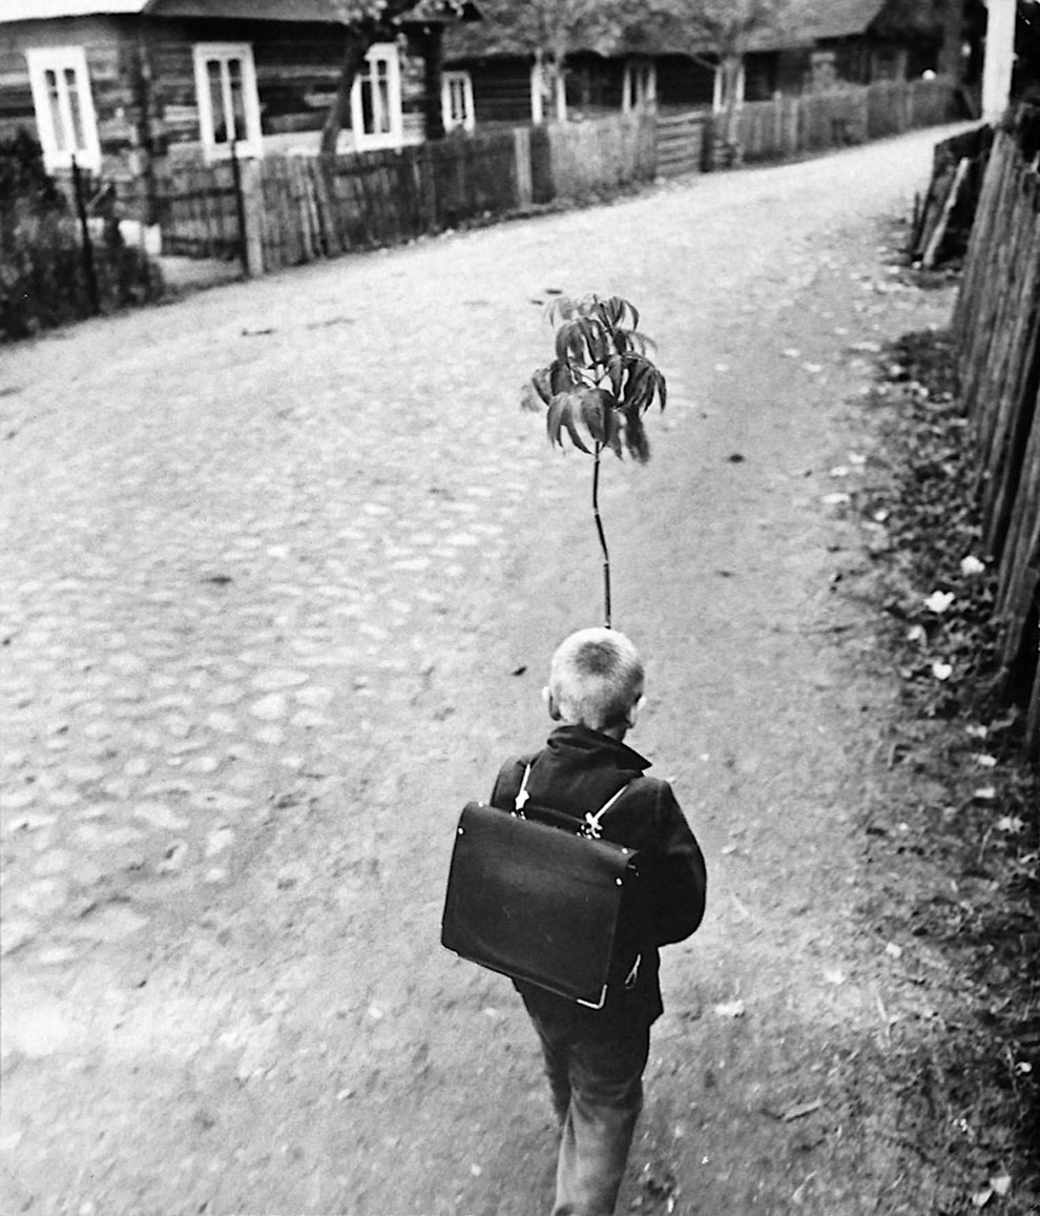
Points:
(380, 53)
(60, 60)
(223, 52)
(457, 82)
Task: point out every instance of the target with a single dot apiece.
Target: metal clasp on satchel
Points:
(522, 795)
(592, 827)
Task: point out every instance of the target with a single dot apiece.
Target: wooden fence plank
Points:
(997, 325)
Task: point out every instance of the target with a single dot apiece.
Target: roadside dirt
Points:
(288, 1037)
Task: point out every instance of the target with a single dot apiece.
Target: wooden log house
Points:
(662, 63)
(135, 88)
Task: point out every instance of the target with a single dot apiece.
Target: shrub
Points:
(44, 279)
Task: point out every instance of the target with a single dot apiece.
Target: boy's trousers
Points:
(596, 1082)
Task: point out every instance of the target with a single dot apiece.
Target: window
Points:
(457, 101)
(64, 108)
(229, 113)
(375, 100)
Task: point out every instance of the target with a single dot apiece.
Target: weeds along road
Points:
(284, 565)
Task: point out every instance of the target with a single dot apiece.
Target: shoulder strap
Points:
(592, 827)
(521, 794)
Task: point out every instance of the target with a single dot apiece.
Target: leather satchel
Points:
(537, 896)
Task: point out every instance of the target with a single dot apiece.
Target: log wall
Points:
(997, 324)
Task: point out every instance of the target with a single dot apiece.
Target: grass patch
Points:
(954, 839)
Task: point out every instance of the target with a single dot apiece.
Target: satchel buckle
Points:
(591, 827)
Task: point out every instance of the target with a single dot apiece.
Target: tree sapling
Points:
(597, 390)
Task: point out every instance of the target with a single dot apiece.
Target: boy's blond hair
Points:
(595, 678)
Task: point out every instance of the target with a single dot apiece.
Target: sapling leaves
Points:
(564, 414)
(598, 348)
(597, 389)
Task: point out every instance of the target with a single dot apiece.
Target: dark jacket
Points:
(576, 773)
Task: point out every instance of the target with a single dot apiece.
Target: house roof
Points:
(507, 32)
(803, 23)
(262, 10)
(32, 10)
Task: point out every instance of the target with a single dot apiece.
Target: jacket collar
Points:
(580, 741)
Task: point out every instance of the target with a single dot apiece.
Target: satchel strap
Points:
(591, 828)
(521, 794)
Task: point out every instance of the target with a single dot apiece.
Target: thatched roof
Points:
(506, 31)
(807, 21)
(252, 10)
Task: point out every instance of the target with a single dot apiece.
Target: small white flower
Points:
(917, 633)
(939, 601)
(1011, 824)
(971, 565)
(941, 670)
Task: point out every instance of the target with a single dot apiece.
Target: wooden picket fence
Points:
(604, 154)
(997, 324)
(198, 209)
(284, 210)
(791, 126)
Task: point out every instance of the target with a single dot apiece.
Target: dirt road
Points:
(284, 567)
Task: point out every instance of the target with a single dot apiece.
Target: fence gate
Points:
(680, 142)
(199, 210)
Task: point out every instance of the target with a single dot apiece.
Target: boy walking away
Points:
(595, 1058)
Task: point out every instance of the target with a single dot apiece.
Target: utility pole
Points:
(1000, 54)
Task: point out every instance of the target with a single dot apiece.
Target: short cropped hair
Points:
(595, 677)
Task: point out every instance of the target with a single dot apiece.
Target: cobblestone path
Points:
(263, 549)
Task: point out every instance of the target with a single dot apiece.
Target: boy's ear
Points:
(550, 704)
(634, 708)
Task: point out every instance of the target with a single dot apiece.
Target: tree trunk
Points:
(731, 65)
(433, 68)
(560, 90)
(358, 41)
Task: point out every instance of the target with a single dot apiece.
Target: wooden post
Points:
(240, 208)
(89, 269)
(1000, 55)
(537, 86)
(426, 166)
(522, 158)
(560, 87)
(251, 215)
(928, 257)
